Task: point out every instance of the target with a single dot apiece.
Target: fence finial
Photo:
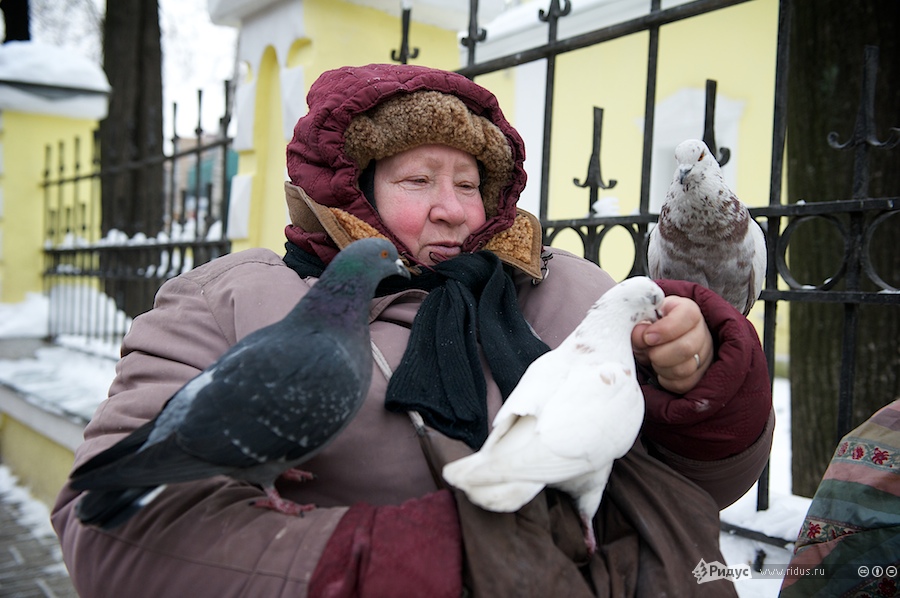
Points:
(722, 155)
(594, 179)
(864, 134)
(476, 34)
(404, 55)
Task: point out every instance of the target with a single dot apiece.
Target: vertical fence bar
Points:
(551, 17)
(850, 331)
(649, 115)
(173, 175)
(224, 123)
(198, 166)
(49, 258)
(81, 282)
(773, 224)
(475, 34)
(65, 211)
(97, 308)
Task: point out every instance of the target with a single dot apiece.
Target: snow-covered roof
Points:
(45, 79)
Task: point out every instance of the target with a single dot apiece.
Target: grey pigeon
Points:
(269, 403)
(575, 411)
(705, 234)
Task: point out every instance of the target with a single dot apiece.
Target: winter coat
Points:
(203, 539)
(374, 485)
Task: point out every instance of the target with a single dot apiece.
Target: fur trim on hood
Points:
(351, 121)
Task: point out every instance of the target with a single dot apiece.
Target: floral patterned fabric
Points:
(849, 544)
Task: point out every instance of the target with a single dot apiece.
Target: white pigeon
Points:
(576, 409)
(705, 234)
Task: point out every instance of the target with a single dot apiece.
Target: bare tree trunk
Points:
(131, 139)
(16, 19)
(828, 40)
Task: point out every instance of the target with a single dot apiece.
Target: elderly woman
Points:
(426, 159)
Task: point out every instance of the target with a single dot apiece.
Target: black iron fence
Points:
(856, 220)
(97, 277)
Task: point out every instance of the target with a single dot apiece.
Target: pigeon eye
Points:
(384, 253)
(701, 156)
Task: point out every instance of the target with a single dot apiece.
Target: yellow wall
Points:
(725, 39)
(341, 34)
(22, 227)
(266, 161)
(348, 34)
(40, 464)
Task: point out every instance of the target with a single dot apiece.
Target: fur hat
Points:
(409, 120)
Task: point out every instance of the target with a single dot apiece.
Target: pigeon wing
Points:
(653, 253)
(257, 407)
(579, 430)
(572, 427)
(274, 405)
(563, 439)
(759, 264)
(533, 391)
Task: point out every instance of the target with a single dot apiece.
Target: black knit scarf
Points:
(471, 300)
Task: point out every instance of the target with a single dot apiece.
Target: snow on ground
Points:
(27, 319)
(72, 379)
(61, 380)
(783, 517)
(33, 513)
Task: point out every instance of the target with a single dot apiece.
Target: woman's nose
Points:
(448, 206)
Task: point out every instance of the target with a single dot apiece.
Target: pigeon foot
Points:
(275, 502)
(590, 541)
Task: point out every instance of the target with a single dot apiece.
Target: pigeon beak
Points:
(401, 268)
(683, 172)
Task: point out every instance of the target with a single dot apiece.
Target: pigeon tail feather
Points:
(110, 509)
(502, 497)
(163, 463)
(127, 446)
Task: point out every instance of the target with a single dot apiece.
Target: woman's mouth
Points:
(438, 252)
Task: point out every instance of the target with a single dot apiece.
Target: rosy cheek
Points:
(407, 223)
(475, 215)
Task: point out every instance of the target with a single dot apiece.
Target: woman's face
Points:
(428, 196)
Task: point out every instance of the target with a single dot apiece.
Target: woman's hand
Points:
(678, 346)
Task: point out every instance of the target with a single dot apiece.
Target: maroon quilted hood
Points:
(318, 163)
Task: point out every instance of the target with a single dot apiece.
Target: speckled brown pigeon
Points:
(705, 233)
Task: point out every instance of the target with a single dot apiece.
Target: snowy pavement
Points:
(30, 559)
